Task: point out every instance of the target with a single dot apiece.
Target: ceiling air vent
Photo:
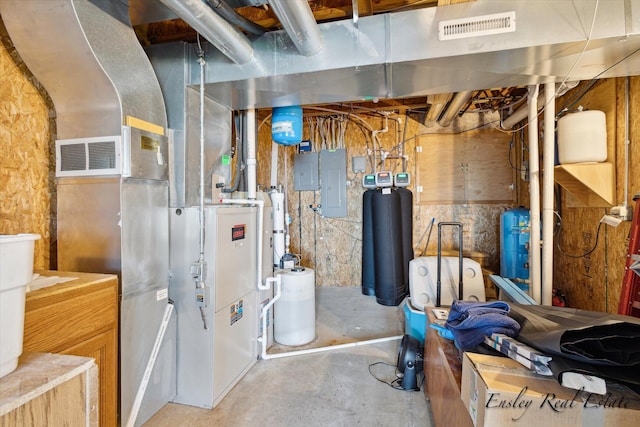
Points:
(484, 25)
(88, 156)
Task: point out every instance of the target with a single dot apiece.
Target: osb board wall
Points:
(457, 168)
(333, 246)
(26, 182)
(593, 282)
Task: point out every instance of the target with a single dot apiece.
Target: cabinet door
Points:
(440, 169)
(488, 175)
(471, 167)
(102, 348)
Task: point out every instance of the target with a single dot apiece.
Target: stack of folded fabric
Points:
(471, 322)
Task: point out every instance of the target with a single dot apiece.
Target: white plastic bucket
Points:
(16, 271)
(582, 137)
(295, 311)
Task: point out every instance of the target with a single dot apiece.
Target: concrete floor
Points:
(329, 388)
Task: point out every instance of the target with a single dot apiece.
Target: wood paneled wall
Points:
(593, 282)
(26, 160)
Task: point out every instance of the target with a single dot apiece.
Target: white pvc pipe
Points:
(519, 115)
(331, 347)
(264, 339)
(277, 203)
(548, 152)
(274, 164)
(252, 136)
(534, 190)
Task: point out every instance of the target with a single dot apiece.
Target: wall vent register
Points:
(484, 25)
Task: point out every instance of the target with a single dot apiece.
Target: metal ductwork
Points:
(228, 40)
(86, 54)
(229, 13)
(456, 104)
(437, 104)
(400, 55)
(299, 23)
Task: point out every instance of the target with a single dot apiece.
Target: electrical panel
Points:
(305, 172)
(333, 180)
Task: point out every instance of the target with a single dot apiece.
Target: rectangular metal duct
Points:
(85, 53)
(400, 54)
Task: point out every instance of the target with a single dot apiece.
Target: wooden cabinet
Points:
(50, 390)
(79, 317)
(443, 377)
(471, 167)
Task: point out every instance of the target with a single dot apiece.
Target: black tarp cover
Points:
(581, 341)
(586, 336)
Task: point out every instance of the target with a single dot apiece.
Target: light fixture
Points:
(410, 359)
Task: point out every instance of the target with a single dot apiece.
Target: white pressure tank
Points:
(295, 311)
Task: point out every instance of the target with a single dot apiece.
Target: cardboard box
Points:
(498, 391)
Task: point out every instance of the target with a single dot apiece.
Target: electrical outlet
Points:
(622, 212)
(524, 171)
